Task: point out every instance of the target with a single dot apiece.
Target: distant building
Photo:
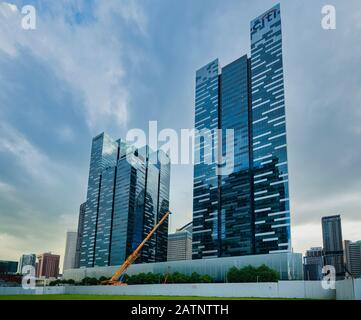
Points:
(26, 260)
(332, 244)
(48, 265)
(79, 234)
(180, 244)
(8, 267)
(353, 258)
(70, 250)
(313, 263)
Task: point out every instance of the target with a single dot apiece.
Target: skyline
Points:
(320, 184)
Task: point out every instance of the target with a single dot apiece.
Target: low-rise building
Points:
(8, 267)
(48, 265)
(179, 246)
(353, 258)
(313, 263)
(26, 260)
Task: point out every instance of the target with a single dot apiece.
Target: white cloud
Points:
(27, 156)
(7, 191)
(310, 235)
(307, 209)
(87, 56)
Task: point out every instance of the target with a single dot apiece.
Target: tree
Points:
(101, 279)
(176, 277)
(195, 277)
(87, 281)
(233, 274)
(267, 274)
(179, 277)
(206, 279)
(252, 274)
(54, 282)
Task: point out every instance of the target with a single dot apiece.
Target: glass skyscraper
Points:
(206, 235)
(269, 145)
(127, 195)
(333, 244)
(246, 211)
(79, 234)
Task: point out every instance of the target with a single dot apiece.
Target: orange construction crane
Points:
(116, 279)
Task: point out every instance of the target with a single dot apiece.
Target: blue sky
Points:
(93, 66)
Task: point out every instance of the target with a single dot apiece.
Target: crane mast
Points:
(116, 279)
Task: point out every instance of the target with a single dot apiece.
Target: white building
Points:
(70, 249)
(180, 244)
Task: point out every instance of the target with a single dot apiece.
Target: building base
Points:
(287, 264)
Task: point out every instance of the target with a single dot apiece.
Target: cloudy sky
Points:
(93, 66)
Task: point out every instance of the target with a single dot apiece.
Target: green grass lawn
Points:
(116, 297)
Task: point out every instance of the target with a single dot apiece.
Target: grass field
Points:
(116, 297)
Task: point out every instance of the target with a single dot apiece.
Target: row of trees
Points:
(252, 274)
(142, 278)
(59, 282)
(245, 274)
(87, 281)
(176, 277)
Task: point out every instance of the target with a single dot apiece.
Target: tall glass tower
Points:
(206, 233)
(127, 195)
(269, 145)
(246, 211)
(333, 245)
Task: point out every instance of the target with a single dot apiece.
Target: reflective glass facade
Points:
(127, 228)
(150, 213)
(122, 204)
(333, 244)
(247, 211)
(205, 183)
(235, 192)
(270, 166)
(80, 234)
(163, 206)
(104, 154)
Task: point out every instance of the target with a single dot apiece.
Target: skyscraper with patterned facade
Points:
(127, 195)
(247, 210)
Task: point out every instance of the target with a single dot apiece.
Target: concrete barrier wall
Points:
(292, 289)
(282, 289)
(314, 290)
(38, 290)
(349, 289)
(344, 290)
(357, 289)
(183, 290)
(305, 289)
(264, 290)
